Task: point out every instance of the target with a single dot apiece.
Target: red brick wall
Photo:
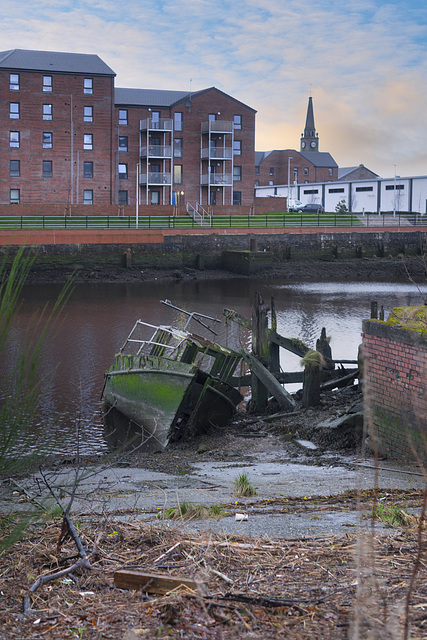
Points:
(67, 99)
(395, 389)
(278, 161)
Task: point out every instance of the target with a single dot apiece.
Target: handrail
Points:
(197, 216)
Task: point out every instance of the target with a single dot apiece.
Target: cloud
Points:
(363, 61)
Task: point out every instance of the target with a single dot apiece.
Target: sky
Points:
(363, 61)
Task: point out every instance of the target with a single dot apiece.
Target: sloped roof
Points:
(162, 98)
(345, 171)
(148, 97)
(319, 158)
(54, 61)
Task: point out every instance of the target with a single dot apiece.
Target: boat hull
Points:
(169, 399)
(149, 391)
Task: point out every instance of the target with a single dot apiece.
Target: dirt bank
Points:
(376, 269)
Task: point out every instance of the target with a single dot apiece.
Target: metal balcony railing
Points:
(156, 151)
(218, 179)
(155, 177)
(161, 124)
(218, 153)
(217, 126)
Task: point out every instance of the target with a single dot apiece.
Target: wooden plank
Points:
(284, 398)
(150, 582)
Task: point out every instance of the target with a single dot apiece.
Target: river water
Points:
(98, 318)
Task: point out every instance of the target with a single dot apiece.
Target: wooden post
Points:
(311, 386)
(273, 347)
(260, 350)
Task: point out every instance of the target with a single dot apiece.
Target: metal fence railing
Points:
(270, 220)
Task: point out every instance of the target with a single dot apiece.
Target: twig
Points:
(82, 562)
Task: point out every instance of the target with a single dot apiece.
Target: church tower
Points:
(309, 139)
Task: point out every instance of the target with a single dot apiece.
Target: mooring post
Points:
(311, 384)
(260, 349)
(273, 347)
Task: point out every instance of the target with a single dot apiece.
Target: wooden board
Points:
(150, 582)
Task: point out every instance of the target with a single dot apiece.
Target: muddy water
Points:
(98, 318)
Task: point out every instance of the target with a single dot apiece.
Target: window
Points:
(47, 140)
(308, 191)
(14, 81)
(257, 183)
(237, 173)
(330, 173)
(155, 119)
(88, 196)
(47, 168)
(177, 173)
(237, 197)
(88, 85)
(88, 141)
(123, 116)
(177, 117)
(295, 172)
(123, 171)
(15, 168)
(47, 84)
(88, 114)
(212, 117)
(123, 143)
(270, 183)
(257, 170)
(272, 171)
(237, 148)
(88, 169)
(390, 187)
(47, 112)
(15, 196)
(335, 190)
(237, 122)
(14, 139)
(177, 148)
(14, 110)
(155, 197)
(306, 171)
(123, 197)
(364, 188)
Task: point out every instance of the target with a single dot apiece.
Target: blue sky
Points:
(363, 61)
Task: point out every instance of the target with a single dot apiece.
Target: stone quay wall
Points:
(395, 390)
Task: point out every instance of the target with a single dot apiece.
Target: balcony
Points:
(162, 124)
(217, 153)
(217, 126)
(155, 177)
(155, 151)
(217, 179)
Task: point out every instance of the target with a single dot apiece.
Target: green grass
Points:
(271, 220)
(392, 516)
(243, 487)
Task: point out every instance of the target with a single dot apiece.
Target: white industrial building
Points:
(375, 195)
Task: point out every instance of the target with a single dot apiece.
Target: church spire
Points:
(309, 139)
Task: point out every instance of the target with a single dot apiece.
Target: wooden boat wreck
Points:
(173, 382)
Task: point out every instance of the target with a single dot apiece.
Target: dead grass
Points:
(255, 588)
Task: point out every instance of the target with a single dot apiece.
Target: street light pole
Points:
(289, 179)
(137, 195)
(394, 201)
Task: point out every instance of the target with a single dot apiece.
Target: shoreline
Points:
(399, 269)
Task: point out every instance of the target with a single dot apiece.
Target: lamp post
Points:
(394, 199)
(137, 195)
(289, 179)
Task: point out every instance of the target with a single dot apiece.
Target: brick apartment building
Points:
(67, 135)
(289, 166)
